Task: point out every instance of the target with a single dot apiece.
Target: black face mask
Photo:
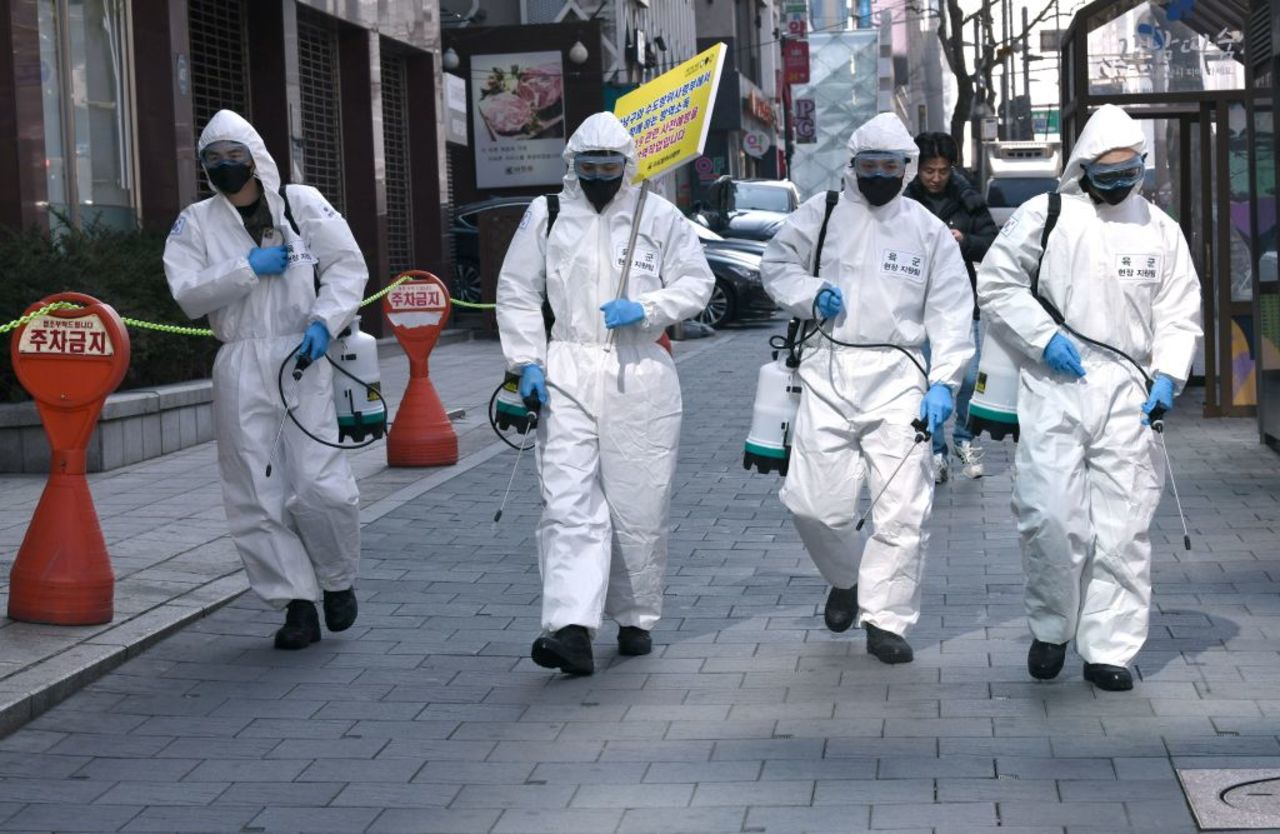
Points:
(600, 192)
(1110, 196)
(230, 177)
(879, 190)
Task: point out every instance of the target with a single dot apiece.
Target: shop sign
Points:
(795, 61)
(759, 107)
(756, 143)
(519, 119)
(805, 122)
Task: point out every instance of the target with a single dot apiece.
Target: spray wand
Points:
(922, 434)
(534, 407)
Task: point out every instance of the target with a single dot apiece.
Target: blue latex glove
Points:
(1063, 357)
(315, 342)
(621, 312)
(830, 301)
(269, 261)
(1161, 395)
(936, 407)
(533, 381)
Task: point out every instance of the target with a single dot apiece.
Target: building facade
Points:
(101, 104)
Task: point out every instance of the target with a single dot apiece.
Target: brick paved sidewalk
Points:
(749, 717)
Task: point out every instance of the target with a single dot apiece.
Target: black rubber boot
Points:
(340, 609)
(634, 641)
(301, 626)
(568, 650)
(842, 608)
(887, 646)
(1110, 678)
(1044, 660)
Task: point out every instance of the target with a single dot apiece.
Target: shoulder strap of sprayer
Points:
(553, 211)
(1050, 220)
(293, 224)
(833, 197)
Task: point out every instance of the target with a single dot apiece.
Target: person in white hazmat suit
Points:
(235, 258)
(890, 273)
(1089, 470)
(610, 426)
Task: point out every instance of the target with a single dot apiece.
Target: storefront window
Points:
(87, 111)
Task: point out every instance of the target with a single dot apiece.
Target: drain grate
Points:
(1225, 800)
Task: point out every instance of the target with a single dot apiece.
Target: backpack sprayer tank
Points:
(361, 410)
(773, 414)
(994, 406)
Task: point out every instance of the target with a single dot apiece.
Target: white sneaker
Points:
(971, 457)
(941, 468)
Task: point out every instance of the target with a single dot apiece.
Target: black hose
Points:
(779, 342)
(493, 421)
(293, 354)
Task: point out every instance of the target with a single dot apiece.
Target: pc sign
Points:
(670, 116)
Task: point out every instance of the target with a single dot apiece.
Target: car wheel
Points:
(466, 282)
(720, 309)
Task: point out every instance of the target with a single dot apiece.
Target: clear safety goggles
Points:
(225, 151)
(879, 164)
(1116, 174)
(602, 167)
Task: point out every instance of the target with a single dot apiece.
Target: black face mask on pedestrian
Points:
(229, 177)
(600, 176)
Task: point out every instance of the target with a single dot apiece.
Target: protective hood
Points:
(600, 132)
(228, 125)
(885, 132)
(1109, 129)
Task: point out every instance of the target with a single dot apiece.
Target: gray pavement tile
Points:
(1062, 813)
(873, 792)
(566, 821)
(22, 765)
(916, 767)
(314, 820)
(605, 773)
(831, 818)
(633, 796)
(1026, 767)
(137, 770)
(1001, 789)
(906, 815)
(386, 795)
(246, 770)
(475, 773)
(89, 744)
(435, 821)
(682, 820)
(649, 751)
(71, 817)
(736, 794)
(756, 749)
(513, 796)
(56, 791)
(163, 793)
(423, 749)
(335, 748)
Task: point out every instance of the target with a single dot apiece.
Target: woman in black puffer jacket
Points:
(942, 189)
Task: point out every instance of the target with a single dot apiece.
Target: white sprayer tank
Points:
(994, 406)
(773, 415)
(361, 409)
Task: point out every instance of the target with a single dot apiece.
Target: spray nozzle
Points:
(922, 429)
(534, 406)
(300, 366)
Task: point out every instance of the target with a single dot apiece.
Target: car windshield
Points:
(753, 195)
(1011, 192)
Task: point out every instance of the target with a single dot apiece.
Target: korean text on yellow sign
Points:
(670, 116)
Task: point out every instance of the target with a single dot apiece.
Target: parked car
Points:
(739, 293)
(750, 209)
(735, 263)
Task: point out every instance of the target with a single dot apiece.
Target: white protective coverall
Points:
(904, 282)
(1089, 474)
(297, 531)
(610, 429)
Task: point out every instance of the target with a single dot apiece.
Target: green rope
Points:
(35, 314)
(178, 330)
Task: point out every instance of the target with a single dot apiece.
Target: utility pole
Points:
(1004, 70)
(978, 107)
(1026, 130)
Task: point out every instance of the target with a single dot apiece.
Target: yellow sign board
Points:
(669, 117)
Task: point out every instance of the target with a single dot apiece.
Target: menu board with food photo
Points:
(518, 106)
